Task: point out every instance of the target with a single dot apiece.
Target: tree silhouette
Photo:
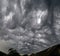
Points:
(13, 52)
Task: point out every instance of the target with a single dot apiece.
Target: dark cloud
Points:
(20, 31)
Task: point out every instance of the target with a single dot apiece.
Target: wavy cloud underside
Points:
(29, 26)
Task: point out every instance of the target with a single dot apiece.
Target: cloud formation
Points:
(19, 30)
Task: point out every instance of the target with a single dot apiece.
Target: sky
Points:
(24, 26)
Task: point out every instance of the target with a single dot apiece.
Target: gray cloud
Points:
(25, 37)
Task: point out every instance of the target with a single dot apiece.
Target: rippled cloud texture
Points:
(29, 26)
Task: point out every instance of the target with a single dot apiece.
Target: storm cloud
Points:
(29, 26)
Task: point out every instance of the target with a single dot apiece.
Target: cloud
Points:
(5, 45)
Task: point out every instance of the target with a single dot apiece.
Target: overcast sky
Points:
(24, 25)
